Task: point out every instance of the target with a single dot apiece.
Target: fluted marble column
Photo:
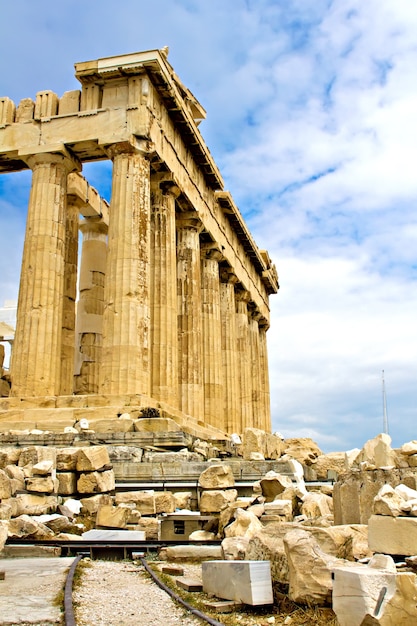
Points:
(212, 342)
(265, 390)
(229, 352)
(37, 352)
(70, 295)
(90, 306)
(125, 367)
(244, 359)
(253, 328)
(164, 294)
(190, 363)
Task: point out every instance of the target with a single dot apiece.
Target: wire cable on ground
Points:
(178, 598)
(68, 608)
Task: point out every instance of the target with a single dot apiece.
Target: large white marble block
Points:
(243, 581)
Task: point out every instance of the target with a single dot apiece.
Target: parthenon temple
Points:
(165, 306)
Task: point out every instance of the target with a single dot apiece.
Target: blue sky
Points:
(311, 117)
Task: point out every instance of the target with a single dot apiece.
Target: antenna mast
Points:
(384, 405)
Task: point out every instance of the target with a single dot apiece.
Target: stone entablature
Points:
(181, 228)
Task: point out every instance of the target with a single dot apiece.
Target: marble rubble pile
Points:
(62, 492)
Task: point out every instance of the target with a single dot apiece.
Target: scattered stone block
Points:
(25, 526)
(217, 476)
(202, 535)
(310, 569)
(92, 458)
(273, 484)
(5, 486)
(67, 483)
(254, 441)
(393, 535)
(283, 508)
(234, 548)
(66, 459)
(215, 500)
(190, 553)
(326, 466)
(388, 502)
(2, 575)
(248, 582)
(5, 510)
(317, 505)
(371, 595)
(377, 453)
(172, 570)
(97, 534)
(144, 501)
(92, 504)
(189, 585)
(33, 504)
(150, 526)
(9, 456)
(409, 448)
(60, 524)
(41, 484)
(43, 468)
(164, 502)
(34, 454)
(222, 606)
(3, 533)
(246, 524)
(17, 477)
(303, 449)
(112, 516)
(96, 482)
(182, 500)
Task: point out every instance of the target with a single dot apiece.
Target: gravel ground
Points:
(120, 593)
(115, 593)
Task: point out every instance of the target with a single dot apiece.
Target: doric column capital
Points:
(211, 251)
(254, 313)
(227, 275)
(166, 183)
(58, 156)
(263, 324)
(189, 220)
(161, 190)
(135, 146)
(242, 295)
(93, 226)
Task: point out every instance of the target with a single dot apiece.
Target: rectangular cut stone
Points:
(189, 585)
(67, 483)
(360, 592)
(144, 501)
(393, 535)
(243, 581)
(112, 516)
(96, 482)
(224, 606)
(66, 459)
(113, 535)
(172, 570)
(92, 458)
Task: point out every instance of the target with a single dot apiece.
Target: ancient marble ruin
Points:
(171, 310)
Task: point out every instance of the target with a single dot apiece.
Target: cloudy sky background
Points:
(311, 117)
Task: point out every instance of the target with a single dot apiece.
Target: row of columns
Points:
(157, 313)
